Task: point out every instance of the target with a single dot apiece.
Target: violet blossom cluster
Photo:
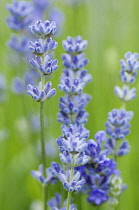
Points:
(117, 128)
(73, 80)
(118, 123)
(72, 143)
(43, 31)
(22, 14)
(98, 171)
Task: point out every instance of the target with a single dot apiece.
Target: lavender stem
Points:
(43, 144)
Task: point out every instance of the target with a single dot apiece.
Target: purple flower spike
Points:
(128, 74)
(44, 29)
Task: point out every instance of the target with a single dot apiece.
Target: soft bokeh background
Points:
(112, 28)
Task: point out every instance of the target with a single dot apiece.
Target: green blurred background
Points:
(112, 29)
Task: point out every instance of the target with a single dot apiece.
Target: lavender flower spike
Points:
(40, 95)
(73, 142)
(128, 75)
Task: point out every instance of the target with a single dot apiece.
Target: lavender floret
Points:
(131, 62)
(38, 94)
(97, 196)
(74, 46)
(76, 62)
(118, 123)
(39, 49)
(45, 67)
(44, 29)
(125, 93)
(75, 184)
(52, 174)
(124, 148)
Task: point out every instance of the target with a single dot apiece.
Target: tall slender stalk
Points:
(43, 145)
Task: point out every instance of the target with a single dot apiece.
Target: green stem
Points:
(43, 144)
(42, 135)
(123, 105)
(43, 81)
(68, 201)
(69, 193)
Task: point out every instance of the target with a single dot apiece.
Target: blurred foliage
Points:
(112, 28)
